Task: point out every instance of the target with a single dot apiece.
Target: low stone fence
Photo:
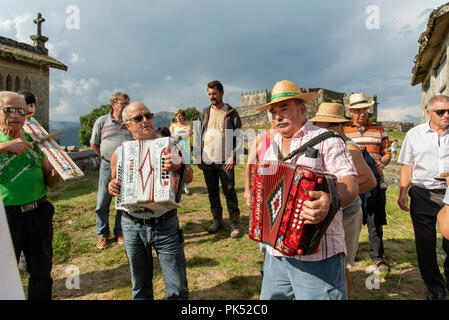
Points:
(86, 160)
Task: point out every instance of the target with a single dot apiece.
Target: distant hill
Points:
(70, 137)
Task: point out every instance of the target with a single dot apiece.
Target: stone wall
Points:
(86, 160)
(16, 76)
(397, 125)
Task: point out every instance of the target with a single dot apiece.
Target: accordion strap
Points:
(310, 143)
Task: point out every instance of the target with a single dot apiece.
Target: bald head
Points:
(132, 108)
(440, 99)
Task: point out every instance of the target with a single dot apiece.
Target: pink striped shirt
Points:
(333, 157)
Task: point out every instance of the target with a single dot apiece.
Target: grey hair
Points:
(9, 93)
(437, 99)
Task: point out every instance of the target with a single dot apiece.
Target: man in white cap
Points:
(374, 139)
(320, 275)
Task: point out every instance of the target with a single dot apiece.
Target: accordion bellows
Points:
(143, 183)
(278, 190)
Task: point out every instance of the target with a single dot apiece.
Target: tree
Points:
(87, 122)
(192, 114)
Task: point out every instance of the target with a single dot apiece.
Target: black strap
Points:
(310, 143)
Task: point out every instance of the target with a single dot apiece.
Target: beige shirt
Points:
(214, 138)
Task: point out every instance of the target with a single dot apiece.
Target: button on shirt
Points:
(333, 157)
(428, 156)
(109, 134)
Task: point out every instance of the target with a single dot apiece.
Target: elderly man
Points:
(25, 175)
(152, 228)
(374, 139)
(107, 134)
(425, 155)
(320, 275)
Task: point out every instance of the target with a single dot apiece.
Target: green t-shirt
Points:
(21, 177)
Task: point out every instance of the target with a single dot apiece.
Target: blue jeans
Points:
(166, 238)
(103, 203)
(292, 279)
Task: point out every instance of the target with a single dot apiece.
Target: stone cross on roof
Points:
(39, 39)
(39, 22)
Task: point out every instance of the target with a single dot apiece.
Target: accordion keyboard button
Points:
(294, 225)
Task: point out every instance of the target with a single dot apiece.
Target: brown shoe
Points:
(119, 239)
(102, 243)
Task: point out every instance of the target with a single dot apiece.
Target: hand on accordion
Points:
(114, 187)
(316, 210)
(173, 161)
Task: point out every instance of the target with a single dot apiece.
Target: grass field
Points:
(218, 267)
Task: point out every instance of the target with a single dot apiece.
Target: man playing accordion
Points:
(319, 275)
(147, 228)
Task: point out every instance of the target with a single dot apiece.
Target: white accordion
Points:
(143, 183)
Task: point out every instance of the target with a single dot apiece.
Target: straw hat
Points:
(286, 90)
(330, 112)
(359, 101)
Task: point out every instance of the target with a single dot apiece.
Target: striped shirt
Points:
(108, 133)
(333, 157)
(373, 138)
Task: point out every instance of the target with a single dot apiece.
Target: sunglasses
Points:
(137, 119)
(11, 110)
(441, 112)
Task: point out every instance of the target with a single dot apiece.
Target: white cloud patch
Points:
(399, 113)
(76, 58)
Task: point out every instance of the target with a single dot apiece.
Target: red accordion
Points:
(278, 190)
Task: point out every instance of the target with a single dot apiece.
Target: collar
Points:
(297, 135)
(428, 128)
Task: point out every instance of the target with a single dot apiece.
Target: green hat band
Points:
(282, 95)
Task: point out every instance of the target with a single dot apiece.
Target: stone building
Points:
(27, 67)
(430, 67)
(250, 101)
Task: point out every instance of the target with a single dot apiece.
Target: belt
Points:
(151, 221)
(29, 206)
(441, 191)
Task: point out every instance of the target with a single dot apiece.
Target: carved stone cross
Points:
(39, 21)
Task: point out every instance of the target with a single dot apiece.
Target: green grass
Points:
(218, 267)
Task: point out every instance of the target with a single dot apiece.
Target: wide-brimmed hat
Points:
(286, 90)
(359, 101)
(330, 112)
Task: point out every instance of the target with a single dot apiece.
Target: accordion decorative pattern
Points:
(278, 192)
(143, 183)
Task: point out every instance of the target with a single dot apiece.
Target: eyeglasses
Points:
(122, 104)
(138, 119)
(358, 111)
(11, 110)
(441, 112)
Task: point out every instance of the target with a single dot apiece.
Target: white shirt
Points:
(333, 157)
(428, 158)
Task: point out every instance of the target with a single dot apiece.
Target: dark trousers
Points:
(375, 234)
(424, 207)
(213, 174)
(32, 233)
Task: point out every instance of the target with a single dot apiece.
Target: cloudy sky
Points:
(164, 52)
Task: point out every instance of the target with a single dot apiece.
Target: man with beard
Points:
(220, 146)
(147, 228)
(425, 155)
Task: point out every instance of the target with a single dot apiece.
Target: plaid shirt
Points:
(333, 157)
